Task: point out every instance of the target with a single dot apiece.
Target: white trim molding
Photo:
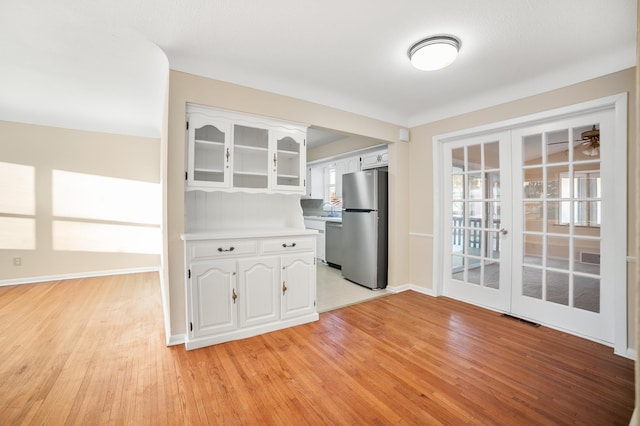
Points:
(76, 275)
(404, 287)
(420, 234)
(176, 339)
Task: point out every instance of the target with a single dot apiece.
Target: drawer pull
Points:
(220, 249)
(285, 245)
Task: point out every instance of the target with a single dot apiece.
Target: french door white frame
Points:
(618, 229)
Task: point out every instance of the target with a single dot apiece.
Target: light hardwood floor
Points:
(336, 292)
(91, 351)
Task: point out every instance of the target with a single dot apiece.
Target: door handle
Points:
(503, 231)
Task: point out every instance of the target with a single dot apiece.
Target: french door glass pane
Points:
(491, 277)
(493, 245)
(533, 216)
(532, 249)
(457, 268)
(558, 183)
(532, 150)
(558, 252)
(475, 186)
(457, 160)
(557, 287)
(587, 255)
(492, 180)
(558, 217)
(532, 282)
(474, 161)
(586, 293)
(533, 183)
(557, 146)
(492, 215)
(491, 156)
(457, 187)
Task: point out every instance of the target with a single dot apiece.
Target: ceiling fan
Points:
(589, 139)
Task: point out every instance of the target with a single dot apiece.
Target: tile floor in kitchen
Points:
(335, 292)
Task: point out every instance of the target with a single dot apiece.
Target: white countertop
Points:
(324, 218)
(247, 233)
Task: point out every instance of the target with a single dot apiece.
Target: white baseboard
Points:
(413, 287)
(631, 354)
(76, 275)
(176, 339)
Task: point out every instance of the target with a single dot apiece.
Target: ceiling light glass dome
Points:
(434, 53)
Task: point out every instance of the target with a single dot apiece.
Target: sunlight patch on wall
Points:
(17, 189)
(100, 237)
(84, 196)
(17, 233)
(105, 214)
(17, 199)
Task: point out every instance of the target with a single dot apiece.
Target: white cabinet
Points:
(341, 168)
(375, 159)
(298, 285)
(212, 291)
(315, 182)
(236, 152)
(318, 225)
(258, 288)
(352, 164)
(242, 287)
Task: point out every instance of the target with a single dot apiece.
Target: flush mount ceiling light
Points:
(434, 53)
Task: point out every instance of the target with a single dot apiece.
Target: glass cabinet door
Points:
(251, 157)
(288, 161)
(209, 152)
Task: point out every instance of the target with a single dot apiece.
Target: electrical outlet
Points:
(17, 261)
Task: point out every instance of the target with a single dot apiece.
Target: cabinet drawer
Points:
(288, 244)
(212, 250)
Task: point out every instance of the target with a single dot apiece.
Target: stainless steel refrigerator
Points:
(364, 228)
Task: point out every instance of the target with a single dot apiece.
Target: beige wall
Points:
(186, 88)
(46, 149)
(420, 203)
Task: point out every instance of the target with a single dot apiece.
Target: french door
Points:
(560, 200)
(525, 218)
(479, 258)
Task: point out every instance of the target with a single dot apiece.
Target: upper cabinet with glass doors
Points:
(236, 152)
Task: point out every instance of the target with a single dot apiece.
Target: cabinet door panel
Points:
(289, 159)
(258, 291)
(213, 308)
(208, 159)
(299, 285)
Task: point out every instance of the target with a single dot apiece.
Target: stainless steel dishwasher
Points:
(333, 248)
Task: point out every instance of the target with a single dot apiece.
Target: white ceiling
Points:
(102, 65)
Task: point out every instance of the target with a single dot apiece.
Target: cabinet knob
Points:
(220, 249)
(285, 245)
(228, 154)
(234, 296)
(275, 160)
(284, 288)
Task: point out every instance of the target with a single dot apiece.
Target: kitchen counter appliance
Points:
(334, 244)
(364, 228)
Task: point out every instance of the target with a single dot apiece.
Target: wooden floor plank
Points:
(92, 351)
